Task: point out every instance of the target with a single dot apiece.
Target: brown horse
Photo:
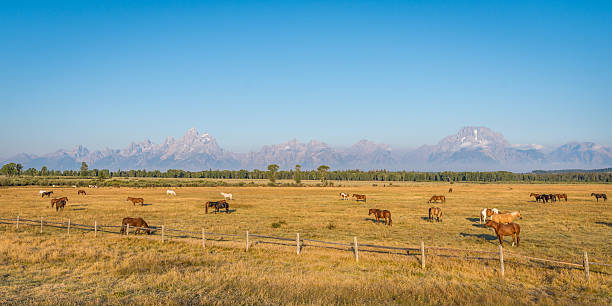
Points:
(217, 205)
(502, 230)
(81, 191)
(435, 198)
(55, 201)
(435, 212)
(506, 218)
(359, 197)
(46, 193)
(136, 200)
(378, 214)
(60, 204)
(450, 190)
(135, 222)
(561, 196)
(599, 195)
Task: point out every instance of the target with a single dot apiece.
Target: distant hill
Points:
(605, 170)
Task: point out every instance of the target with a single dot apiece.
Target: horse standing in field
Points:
(138, 223)
(502, 230)
(378, 214)
(561, 196)
(435, 198)
(344, 196)
(435, 212)
(81, 192)
(46, 193)
(136, 200)
(450, 190)
(537, 197)
(359, 197)
(226, 196)
(60, 204)
(506, 218)
(599, 195)
(55, 201)
(170, 192)
(488, 213)
(218, 205)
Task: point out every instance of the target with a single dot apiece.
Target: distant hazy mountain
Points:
(471, 149)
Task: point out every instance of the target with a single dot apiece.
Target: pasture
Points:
(53, 267)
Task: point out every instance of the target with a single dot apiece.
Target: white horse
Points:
(170, 192)
(345, 196)
(226, 196)
(488, 212)
(41, 192)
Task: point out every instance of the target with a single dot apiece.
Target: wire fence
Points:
(354, 247)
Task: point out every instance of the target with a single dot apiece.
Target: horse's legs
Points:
(518, 238)
(501, 240)
(513, 239)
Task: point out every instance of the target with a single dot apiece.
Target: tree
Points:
(44, 171)
(298, 174)
(272, 170)
(19, 169)
(323, 174)
(9, 169)
(31, 172)
(84, 169)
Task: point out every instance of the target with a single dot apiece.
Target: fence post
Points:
(356, 248)
(247, 240)
(162, 234)
(203, 239)
(68, 227)
(586, 266)
(17, 226)
(297, 242)
(422, 255)
(95, 228)
(41, 225)
(127, 231)
(501, 260)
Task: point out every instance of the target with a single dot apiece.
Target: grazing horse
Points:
(378, 214)
(502, 230)
(55, 201)
(217, 205)
(170, 192)
(435, 212)
(561, 196)
(599, 195)
(135, 222)
(359, 197)
(435, 198)
(345, 196)
(506, 218)
(537, 196)
(450, 190)
(136, 200)
(488, 213)
(60, 204)
(46, 193)
(81, 192)
(226, 196)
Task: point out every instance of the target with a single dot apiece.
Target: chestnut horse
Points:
(135, 222)
(506, 218)
(502, 230)
(435, 198)
(46, 193)
(136, 200)
(599, 195)
(81, 192)
(55, 201)
(359, 197)
(561, 196)
(435, 212)
(60, 204)
(378, 214)
(450, 190)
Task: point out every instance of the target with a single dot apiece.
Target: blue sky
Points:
(406, 73)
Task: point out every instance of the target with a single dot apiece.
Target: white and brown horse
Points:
(488, 212)
(344, 196)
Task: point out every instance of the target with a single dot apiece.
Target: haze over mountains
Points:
(471, 149)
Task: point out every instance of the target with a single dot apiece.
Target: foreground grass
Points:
(54, 268)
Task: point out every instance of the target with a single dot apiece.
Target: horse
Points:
(170, 192)
(226, 196)
(553, 197)
(450, 190)
(136, 200)
(378, 214)
(506, 218)
(537, 197)
(359, 197)
(545, 198)
(599, 195)
(135, 222)
(54, 201)
(81, 192)
(435, 198)
(561, 196)
(502, 230)
(488, 213)
(60, 204)
(217, 205)
(345, 196)
(41, 191)
(435, 212)
(46, 193)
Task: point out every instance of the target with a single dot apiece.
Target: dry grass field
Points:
(55, 268)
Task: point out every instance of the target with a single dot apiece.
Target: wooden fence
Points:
(300, 243)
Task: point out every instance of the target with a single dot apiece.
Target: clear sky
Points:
(406, 73)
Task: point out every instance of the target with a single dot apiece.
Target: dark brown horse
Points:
(136, 200)
(599, 195)
(46, 193)
(218, 205)
(55, 201)
(537, 197)
(502, 230)
(450, 190)
(359, 197)
(381, 214)
(135, 222)
(435, 212)
(435, 198)
(60, 204)
(81, 191)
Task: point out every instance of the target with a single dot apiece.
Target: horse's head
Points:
(371, 211)
(592, 194)
(490, 223)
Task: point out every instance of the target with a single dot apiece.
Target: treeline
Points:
(338, 175)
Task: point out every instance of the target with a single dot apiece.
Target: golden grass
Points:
(54, 268)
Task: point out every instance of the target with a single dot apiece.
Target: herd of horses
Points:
(548, 197)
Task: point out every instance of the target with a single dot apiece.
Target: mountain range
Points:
(470, 149)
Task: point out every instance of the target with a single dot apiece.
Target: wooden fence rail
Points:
(300, 243)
